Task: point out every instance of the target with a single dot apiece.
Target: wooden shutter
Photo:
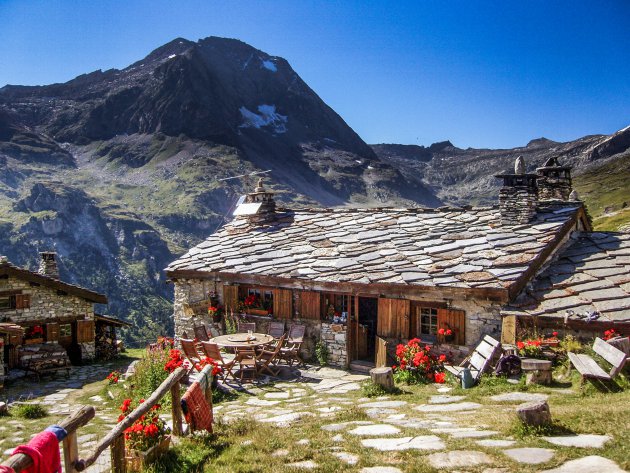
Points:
(283, 303)
(456, 320)
(310, 305)
(23, 301)
(85, 331)
(393, 318)
(230, 298)
(381, 353)
(52, 332)
(508, 330)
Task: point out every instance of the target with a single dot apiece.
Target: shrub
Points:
(571, 344)
(321, 352)
(31, 411)
(151, 371)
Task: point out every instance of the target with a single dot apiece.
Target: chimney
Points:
(48, 264)
(554, 181)
(264, 208)
(518, 196)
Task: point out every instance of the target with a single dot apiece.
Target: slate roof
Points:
(15, 271)
(592, 274)
(445, 247)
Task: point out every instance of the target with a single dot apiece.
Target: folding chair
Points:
(244, 327)
(480, 360)
(291, 352)
(246, 359)
(190, 351)
(211, 350)
(276, 329)
(267, 359)
(201, 334)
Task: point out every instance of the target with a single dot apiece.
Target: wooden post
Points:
(119, 464)
(70, 452)
(176, 410)
(383, 376)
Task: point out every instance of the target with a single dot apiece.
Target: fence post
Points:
(119, 464)
(176, 409)
(70, 452)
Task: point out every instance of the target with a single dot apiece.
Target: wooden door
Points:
(230, 298)
(353, 331)
(456, 320)
(283, 303)
(310, 305)
(85, 331)
(393, 318)
(381, 352)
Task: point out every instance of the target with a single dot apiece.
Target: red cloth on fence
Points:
(44, 451)
(6, 469)
(197, 411)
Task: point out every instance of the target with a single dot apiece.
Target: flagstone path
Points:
(432, 429)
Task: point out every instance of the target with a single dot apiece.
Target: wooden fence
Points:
(115, 439)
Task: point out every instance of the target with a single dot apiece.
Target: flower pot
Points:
(33, 341)
(136, 460)
(550, 343)
(257, 311)
(449, 338)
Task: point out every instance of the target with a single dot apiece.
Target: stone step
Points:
(361, 366)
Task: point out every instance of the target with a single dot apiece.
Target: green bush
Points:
(321, 352)
(150, 372)
(30, 411)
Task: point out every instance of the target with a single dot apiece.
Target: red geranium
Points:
(145, 432)
(608, 334)
(216, 369)
(175, 360)
(416, 363)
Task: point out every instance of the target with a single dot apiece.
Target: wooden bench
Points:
(589, 368)
(47, 359)
(480, 359)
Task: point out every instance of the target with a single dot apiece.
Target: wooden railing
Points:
(115, 439)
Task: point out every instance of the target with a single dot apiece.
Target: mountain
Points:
(119, 171)
(601, 165)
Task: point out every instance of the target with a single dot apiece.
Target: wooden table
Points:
(239, 340)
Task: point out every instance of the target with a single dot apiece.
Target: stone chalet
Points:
(50, 313)
(363, 280)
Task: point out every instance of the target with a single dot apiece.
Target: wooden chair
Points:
(211, 350)
(246, 359)
(276, 329)
(201, 334)
(267, 359)
(291, 351)
(190, 351)
(588, 367)
(244, 327)
(480, 360)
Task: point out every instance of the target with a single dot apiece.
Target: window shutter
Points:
(508, 330)
(85, 331)
(23, 301)
(456, 320)
(310, 305)
(52, 332)
(393, 318)
(283, 303)
(230, 298)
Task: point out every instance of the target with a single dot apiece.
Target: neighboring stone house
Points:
(50, 311)
(363, 280)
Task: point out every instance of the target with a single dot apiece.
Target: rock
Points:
(377, 429)
(458, 458)
(279, 395)
(464, 432)
(445, 399)
(303, 442)
(531, 456)
(590, 464)
(534, 413)
(346, 457)
(4, 410)
(306, 465)
(383, 404)
(581, 440)
(282, 452)
(422, 442)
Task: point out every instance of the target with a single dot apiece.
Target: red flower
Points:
(440, 377)
(520, 345)
(555, 334)
(441, 331)
(442, 358)
(125, 405)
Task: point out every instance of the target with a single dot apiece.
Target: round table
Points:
(239, 340)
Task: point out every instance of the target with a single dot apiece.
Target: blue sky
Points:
(482, 73)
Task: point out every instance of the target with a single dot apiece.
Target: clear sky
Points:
(479, 73)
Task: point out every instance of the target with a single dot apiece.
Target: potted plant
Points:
(215, 310)
(254, 306)
(34, 334)
(531, 348)
(146, 439)
(551, 341)
(447, 334)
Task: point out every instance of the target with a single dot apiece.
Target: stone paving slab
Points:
(346, 457)
(581, 440)
(376, 429)
(519, 397)
(305, 465)
(530, 455)
(380, 469)
(383, 404)
(464, 432)
(422, 442)
(445, 399)
(590, 464)
(458, 459)
(501, 443)
(344, 425)
(458, 406)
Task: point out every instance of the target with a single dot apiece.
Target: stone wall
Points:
(334, 336)
(47, 306)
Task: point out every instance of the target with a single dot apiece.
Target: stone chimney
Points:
(554, 181)
(48, 264)
(518, 196)
(266, 211)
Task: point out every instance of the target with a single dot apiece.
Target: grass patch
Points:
(371, 389)
(30, 411)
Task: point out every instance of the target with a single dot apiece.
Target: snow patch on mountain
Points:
(269, 66)
(266, 116)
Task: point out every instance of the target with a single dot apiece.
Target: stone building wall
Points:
(334, 336)
(48, 306)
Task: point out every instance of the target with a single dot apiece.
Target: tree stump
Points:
(383, 377)
(536, 371)
(534, 413)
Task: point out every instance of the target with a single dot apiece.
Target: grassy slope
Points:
(606, 189)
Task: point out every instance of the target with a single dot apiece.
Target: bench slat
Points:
(612, 355)
(587, 366)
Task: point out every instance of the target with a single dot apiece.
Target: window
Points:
(7, 302)
(263, 298)
(65, 330)
(337, 305)
(428, 320)
(15, 301)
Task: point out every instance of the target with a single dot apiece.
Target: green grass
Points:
(30, 411)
